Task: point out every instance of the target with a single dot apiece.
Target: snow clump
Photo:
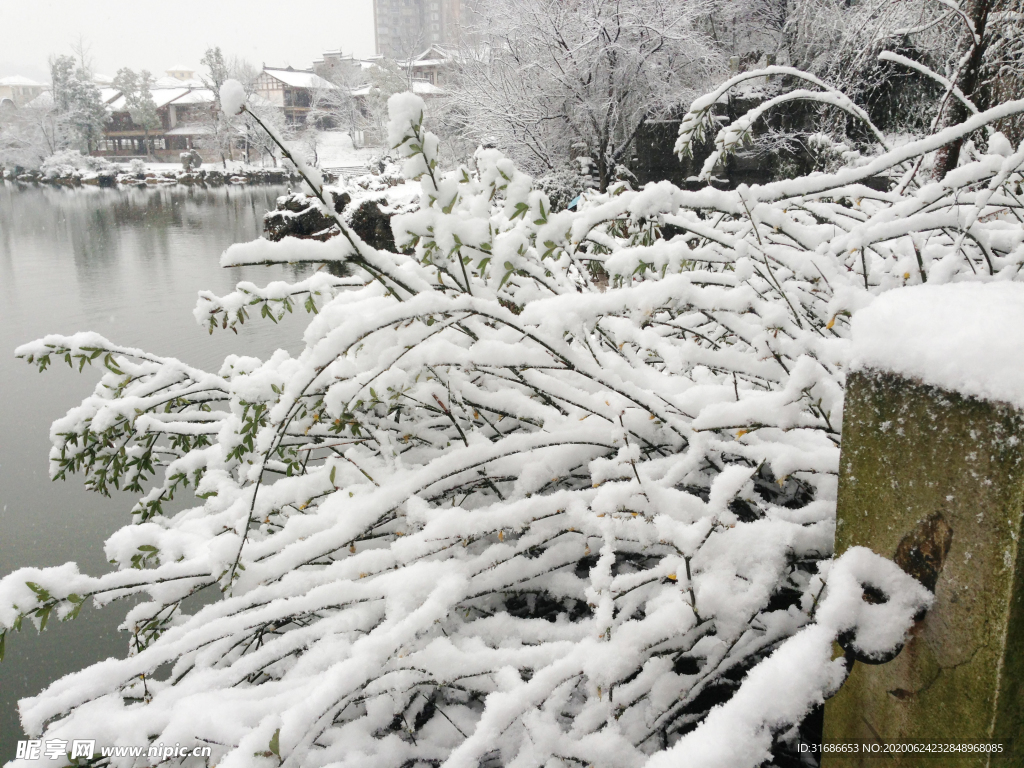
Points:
(963, 337)
(232, 97)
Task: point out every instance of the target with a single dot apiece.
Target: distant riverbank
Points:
(213, 177)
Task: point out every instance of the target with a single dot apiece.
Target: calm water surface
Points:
(127, 264)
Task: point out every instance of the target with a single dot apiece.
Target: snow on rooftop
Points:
(419, 87)
(258, 101)
(161, 97)
(190, 130)
(424, 88)
(42, 101)
(196, 96)
(298, 78)
(19, 81)
(963, 337)
(177, 82)
(164, 96)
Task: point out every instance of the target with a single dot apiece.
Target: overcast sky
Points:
(159, 35)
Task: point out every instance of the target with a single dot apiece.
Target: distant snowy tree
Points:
(215, 62)
(990, 67)
(330, 108)
(70, 116)
(385, 80)
(1002, 74)
(974, 45)
(335, 108)
(255, 137)
(21, 145)
(80, 113)
(222, 132)
(554, 79)
(30, 134)
(246, 133)
(138, 98)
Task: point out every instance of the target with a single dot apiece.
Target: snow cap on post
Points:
(232, 97)
(961, 337)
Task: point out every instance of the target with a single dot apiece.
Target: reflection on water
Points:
(127, 264)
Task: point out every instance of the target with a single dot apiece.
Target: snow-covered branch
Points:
(544, 488)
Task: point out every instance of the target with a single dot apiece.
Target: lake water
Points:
(127, 264)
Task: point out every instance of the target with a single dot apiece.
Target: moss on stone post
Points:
(935, 480)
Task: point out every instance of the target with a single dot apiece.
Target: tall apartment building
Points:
(404, 28)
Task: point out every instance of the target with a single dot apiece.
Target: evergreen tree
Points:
(76, 100)
(214, 60)
(138, 99)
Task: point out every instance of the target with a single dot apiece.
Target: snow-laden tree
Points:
(332, 105)
(253, 136)
(222, 133)
(225, 132)
(550, 80)
(895, 59)
(544, 489)
(27, 136)
(384, 80)
(79, 110)
(71, 116)
(243, 130)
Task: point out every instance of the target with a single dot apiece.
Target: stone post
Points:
(934, 479)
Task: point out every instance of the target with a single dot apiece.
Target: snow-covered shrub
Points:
(385, 172)
(494, 513)
(137, 166)
(562, 186)
(70, 162)
(366, 212)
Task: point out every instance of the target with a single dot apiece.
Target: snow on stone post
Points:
(932, 476)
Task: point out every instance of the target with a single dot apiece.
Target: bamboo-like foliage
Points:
(540, 491)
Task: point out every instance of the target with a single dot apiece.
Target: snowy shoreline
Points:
(153, 177)
(336, 158)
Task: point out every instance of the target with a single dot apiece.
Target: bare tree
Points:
(245, 72)
(333, 105)
(558, 78)
(219, 71)
(929, 63)
(83, 52)
(990, 70)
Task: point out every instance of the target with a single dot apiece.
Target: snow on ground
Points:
(336, 150)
